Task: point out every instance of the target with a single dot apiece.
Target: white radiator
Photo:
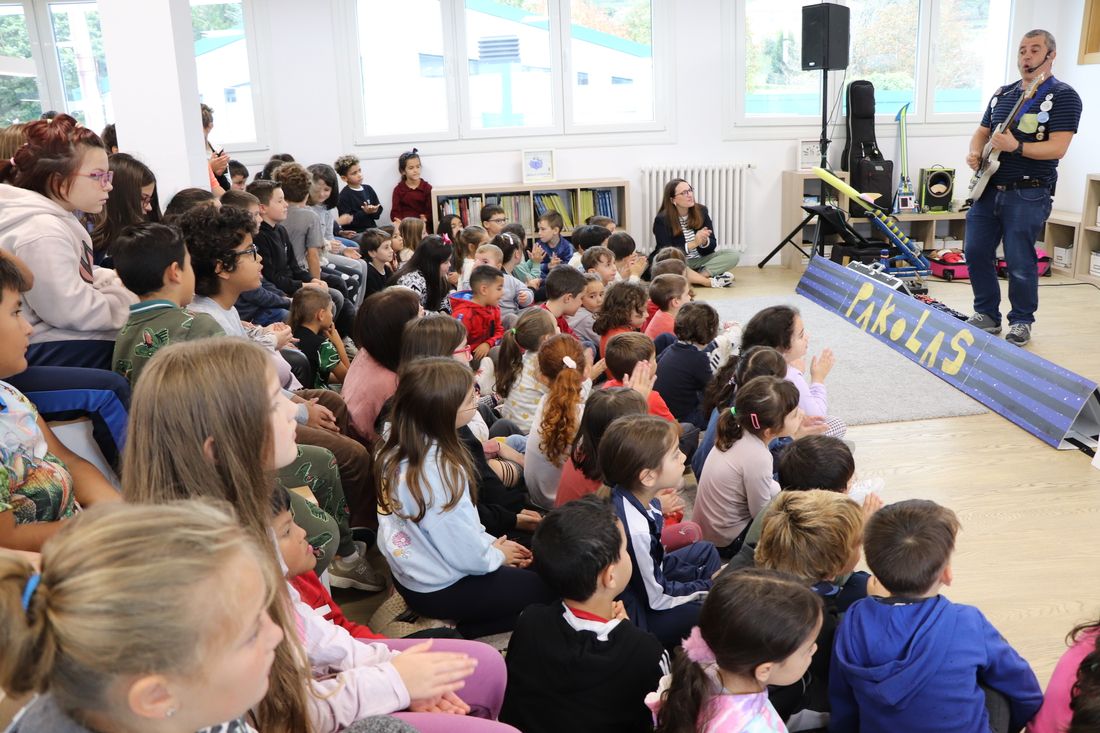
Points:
(721, 188)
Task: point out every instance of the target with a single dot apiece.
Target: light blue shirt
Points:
(444, 546)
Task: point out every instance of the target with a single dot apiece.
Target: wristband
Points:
(1019, 149)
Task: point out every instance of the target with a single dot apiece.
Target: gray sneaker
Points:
(355, 572)
(984, 322)
(1019, 334)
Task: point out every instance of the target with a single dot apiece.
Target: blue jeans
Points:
(1017, 218)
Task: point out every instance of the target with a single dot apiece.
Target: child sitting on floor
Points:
(311, 322)
(591, 303)
(444, 563)
(153, 263)
(377, 246)
(465, 253)
(581, 665)
(640, 456)
(668, 293)
(517, 371)
(582, 476)
(516, 295)
(914, 660)
(623, 310)
(683, 368)
(781, 327)
(737, 478)
(814, 536)
(564, 285)
(478, 310)
(555, 247)
(562, 370)
(601, 261)
(42, 482)
(757, 628)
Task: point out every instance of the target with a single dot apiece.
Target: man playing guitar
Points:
(1017, 201)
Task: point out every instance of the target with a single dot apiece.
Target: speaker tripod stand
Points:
(812, 212)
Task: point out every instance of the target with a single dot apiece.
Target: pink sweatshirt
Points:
(1054, 715)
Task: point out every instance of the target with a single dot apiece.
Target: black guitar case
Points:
(870, 172)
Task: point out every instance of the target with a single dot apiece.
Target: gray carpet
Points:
(870, 383)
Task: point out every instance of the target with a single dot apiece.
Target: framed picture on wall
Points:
(538, 166)
(809, 154)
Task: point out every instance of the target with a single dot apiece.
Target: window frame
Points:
(922, 122)
(52, 92)
(563, 132)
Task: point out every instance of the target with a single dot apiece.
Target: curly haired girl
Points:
(557, 418)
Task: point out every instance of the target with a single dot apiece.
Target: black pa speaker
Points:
(936, 186)
(825, 36)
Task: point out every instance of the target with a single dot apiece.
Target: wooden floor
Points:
(1028, 554)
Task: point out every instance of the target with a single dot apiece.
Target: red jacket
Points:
(414, 202)
(650, 310)
(657, 404)
(313, 592)
(482, 322)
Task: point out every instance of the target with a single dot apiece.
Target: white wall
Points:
(1083, 157)
(303, 118)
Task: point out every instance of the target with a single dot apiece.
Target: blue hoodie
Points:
(903, 666)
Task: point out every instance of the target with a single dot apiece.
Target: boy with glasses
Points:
(493, 219)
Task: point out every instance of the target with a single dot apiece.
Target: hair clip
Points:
(512, 331)
(568, 361)
(733, 410)
(755, 421)
(28, 591)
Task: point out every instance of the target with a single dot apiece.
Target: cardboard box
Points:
(1063, 256)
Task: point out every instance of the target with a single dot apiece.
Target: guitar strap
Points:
(1042, 90)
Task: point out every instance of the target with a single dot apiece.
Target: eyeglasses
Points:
(146, 199)
(464, 350)
(103, 178)
(251, 250)
(499, 220)
(685, 192)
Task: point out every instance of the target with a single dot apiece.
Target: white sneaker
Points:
(721, 281)
(486, 376)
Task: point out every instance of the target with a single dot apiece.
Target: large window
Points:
(19, 96)
(968, 52)
(402, 70)
(222, 63)
(942, 57)
(884, 51)
(775, 84)
(78, 39)
(506, 67)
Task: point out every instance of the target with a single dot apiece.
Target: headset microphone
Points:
(1031, 69)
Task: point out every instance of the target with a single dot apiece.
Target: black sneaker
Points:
(1019, 334)
(984, 322)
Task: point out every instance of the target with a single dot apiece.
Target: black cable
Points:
(1048, 285)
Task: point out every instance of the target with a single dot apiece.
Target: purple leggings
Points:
(484, 690)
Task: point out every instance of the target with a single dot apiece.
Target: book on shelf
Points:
(553, 202)
(468, 208)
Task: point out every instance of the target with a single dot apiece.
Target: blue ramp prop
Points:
(1055, 405)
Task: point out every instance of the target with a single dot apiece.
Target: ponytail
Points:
(532, 327)
(762, 404)
(560, 361)
(30, 649)
(682, 702)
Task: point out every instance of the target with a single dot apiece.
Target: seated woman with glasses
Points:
(75, 308)
(685, 224)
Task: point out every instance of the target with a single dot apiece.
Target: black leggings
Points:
(482, 604)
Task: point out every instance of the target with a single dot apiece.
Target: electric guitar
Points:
(990, 160)
(905, 198)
